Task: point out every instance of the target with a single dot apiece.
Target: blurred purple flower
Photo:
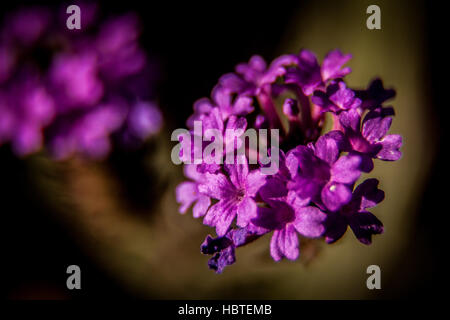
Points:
(26, 25)
(90, 90)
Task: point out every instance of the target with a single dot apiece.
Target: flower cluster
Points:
(314, 192)
(73, 91)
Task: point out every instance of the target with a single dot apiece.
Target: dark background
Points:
(195, 44)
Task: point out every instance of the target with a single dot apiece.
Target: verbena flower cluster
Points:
(74, 91)
(314, 192)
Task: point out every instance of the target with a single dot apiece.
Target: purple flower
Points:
(26, 109)
(214, 113)
(336, 98)
(252, 77)
(27, 139)
(319, 173)
(287, 215)
(235, 194)
(223, 251)
(88, 133)
(307, 72)
(92, 92)
(223, 248)
(209, 118)
(202, 108)
(241, 106)
(26, 25)
(144, 120)
(119, 54)
(309, 75)
(370, 139)
(354, 214)
(75, 80)
(375, 95)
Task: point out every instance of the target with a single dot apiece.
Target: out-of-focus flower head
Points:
(74, 91)
(313, 193)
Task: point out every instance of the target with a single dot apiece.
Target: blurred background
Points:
(118, 219)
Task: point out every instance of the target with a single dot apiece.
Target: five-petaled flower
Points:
(235, 193)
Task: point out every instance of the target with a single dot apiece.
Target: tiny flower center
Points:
(240, 194)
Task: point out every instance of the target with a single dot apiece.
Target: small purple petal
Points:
(220, 260)
(234, 83)
(390, 147)
(255, 180)
(192, 172)
(335, 195)
(346, 169)
(374, 129)
(309, 222)
(221, 215)
(368, 194)
(284, 243)
(375, 94)
(216, 186)
(202, 205)
(332, 65)
(275, 218)
(336, 226)
(350, 119)
(246, 211)
(238, 172)
(214, 245)
(307, 75)
(343, 97)
(327, 149)
(186, 193)
(364, 225)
